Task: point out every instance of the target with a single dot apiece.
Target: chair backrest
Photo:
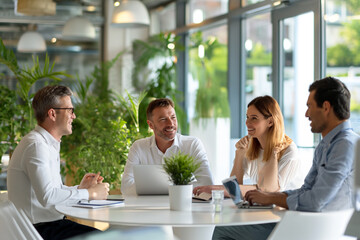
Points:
(14, 224)
(296, 225)
(3, 196)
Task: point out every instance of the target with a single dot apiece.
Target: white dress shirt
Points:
(33, 178)
(145, 151)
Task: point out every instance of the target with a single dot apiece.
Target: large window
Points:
(208, 110)
(163, 19)
(199, 10)
(298, 73)
(258, 46)
(343, 49)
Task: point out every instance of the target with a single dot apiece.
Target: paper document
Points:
(98, 203)
(202, 197)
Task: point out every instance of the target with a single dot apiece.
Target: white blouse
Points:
(288, 168)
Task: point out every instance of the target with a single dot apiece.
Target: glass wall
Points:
(298, 74)
(258, 47)
(199, 10)
(208, 107)
(343, 49)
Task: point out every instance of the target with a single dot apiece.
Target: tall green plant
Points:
(19, 109)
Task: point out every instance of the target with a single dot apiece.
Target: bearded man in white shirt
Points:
(165, 142)
(34, 181)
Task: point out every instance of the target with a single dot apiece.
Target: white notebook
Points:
(98, 203)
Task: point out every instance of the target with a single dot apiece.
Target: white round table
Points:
(155, 211)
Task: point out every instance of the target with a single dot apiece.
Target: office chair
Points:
(297, 225)
(14, 224)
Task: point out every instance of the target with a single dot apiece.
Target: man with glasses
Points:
(34, 181)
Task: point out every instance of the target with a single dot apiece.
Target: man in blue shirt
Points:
(328, 185)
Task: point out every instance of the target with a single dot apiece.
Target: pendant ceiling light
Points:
(130, 13)
(78, 28)
(35, 7)
(31, 42)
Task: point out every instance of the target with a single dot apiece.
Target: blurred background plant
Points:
(155, 73)
(16, 114)
(106, 126)
(209, 70)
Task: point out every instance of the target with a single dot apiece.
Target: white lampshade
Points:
(130, 13)
(78, 28)
(31, 42)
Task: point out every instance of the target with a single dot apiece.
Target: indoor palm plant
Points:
(16, 114)
(181, 169)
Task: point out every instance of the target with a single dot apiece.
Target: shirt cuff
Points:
(83, 193)
(291, 200)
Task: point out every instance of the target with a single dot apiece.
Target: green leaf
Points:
(181, 168)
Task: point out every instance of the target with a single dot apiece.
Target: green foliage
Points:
(130, 113)
(11, 123)
(181, 168)
(259, 57)
(106, 127)
(339, 55)
(100, 142)
(16, 118)
(161, 81)
(352, 5)
(354, 105)
(347, 53)
(211, 74)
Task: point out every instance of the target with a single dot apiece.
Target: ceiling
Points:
(12, 26)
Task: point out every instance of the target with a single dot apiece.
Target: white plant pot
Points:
(180, 197)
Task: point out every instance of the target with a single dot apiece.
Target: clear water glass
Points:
(217, 199)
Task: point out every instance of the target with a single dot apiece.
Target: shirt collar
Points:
(48, 137)
(345, 125)
(175, 143)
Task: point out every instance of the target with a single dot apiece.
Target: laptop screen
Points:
(151, 180)
(232, 186)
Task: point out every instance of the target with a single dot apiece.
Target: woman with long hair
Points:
(267, 156)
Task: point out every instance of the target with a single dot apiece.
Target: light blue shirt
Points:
(328, 185)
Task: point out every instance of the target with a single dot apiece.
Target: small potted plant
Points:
(180, 168)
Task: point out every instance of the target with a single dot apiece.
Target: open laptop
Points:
(151, 180)
(232, 186)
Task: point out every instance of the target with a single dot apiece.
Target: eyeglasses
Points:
(71, 109)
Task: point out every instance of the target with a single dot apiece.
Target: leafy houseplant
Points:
(180, 168)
